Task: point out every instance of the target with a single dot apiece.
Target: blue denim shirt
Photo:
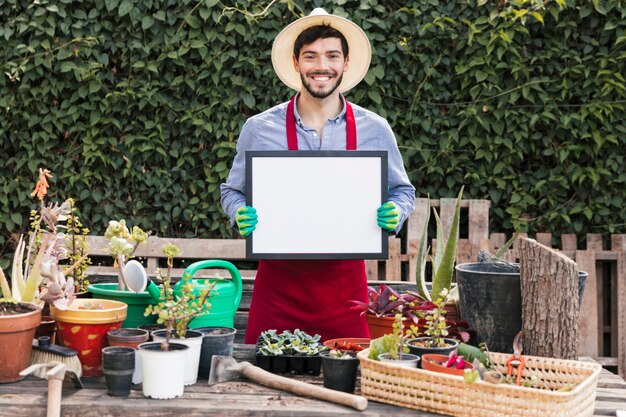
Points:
(267, 131)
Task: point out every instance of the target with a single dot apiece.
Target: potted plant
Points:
(442, 261)
(383, 306)
(18, 321)
(392, 347)
(176, 312)
(339, 370)
(296, 352)
(436, 338)
(122, 245)
(37, 276)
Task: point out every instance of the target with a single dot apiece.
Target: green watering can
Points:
(225, 296)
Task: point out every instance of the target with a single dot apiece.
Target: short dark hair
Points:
(314, 33)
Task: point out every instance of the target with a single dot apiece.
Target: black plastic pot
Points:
(314, 365)
(264, 362)
(491, 302)
(421, 350)
(280, 364)
(118, 365)
(339, 374)
(297, 364)
(215, 341)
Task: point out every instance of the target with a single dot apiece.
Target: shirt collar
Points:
(340, 116)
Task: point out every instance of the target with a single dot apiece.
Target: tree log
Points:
(549, 284)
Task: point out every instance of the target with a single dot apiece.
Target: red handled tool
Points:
(516, 360)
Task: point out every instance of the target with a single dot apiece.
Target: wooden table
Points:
(236, 398)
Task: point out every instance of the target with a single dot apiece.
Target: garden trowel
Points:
(226, 368)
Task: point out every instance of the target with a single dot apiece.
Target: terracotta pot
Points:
(84, 329)
(436, 363)
(380, 326)
(127, 337)
(17, 329)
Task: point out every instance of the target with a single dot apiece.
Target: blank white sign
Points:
(316, 204)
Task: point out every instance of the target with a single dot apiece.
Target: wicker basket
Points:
(451, 395)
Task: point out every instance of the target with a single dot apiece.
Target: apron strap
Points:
(292, 136)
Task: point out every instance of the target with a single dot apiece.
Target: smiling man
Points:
(320, 56)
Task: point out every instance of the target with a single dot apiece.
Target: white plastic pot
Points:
(193, 340)
(163, 372)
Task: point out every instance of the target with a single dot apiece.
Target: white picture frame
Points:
(316, 204)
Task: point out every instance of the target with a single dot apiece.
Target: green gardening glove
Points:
(246, 220)
(388, 216)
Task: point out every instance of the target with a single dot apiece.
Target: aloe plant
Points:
(445, 255)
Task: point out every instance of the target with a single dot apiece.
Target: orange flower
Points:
(41, 188)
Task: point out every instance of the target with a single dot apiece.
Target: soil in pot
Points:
(18, 322)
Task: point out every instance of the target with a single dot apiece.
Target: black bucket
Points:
(491, 302)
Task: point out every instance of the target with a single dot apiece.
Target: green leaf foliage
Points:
(136, 106)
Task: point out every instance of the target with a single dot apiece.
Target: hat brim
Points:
(360, 51)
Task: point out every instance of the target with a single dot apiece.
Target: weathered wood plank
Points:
(371, 269)
(545, 239)
(588, 318)
(478, 225)
(416, 222)
(392, 265)
(412, 249)
(569, 242)
(618, 243)
(234, 398)
(594, 242)
(621, 314)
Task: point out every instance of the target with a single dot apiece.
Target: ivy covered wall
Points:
(135, 106)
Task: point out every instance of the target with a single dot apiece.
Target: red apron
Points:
(310, 295)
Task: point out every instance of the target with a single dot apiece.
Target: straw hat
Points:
(360, 51)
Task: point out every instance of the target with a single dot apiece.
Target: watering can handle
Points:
(234, 273)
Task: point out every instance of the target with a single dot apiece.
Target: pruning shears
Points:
(516, 360)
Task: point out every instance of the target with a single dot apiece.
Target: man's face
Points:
(321, 65)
